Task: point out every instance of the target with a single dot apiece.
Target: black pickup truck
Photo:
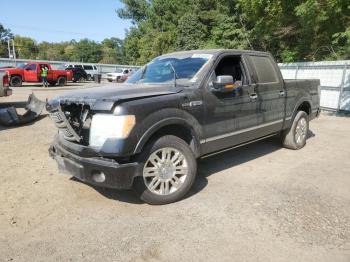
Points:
(148, 133)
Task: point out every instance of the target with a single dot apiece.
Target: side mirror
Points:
(223, 84)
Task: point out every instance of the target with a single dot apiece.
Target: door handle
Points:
(282, 93)
(253, 96)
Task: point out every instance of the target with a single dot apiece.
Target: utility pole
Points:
(14, 51)
(8, 48)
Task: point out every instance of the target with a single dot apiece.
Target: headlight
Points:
(105, 126)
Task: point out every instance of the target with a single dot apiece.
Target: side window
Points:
(31, 67)
(231, 65)
(264, 69)
(95, 68)
(88, 67)
(78, 66)
(126, 71)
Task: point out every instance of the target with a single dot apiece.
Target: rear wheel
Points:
(16, 81)
(81, 79)
(61, 81)
(169, 170)
(295, 137)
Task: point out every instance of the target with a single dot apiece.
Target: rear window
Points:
(87, 67)
(264, 69)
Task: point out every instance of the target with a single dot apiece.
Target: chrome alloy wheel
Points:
(165, 171)
(300, 131)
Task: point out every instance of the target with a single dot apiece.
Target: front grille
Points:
(63, 125)
(73, 121)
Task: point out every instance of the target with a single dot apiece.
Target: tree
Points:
(25, 47)
(5, 35)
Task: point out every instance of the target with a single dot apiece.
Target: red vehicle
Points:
(30, 72)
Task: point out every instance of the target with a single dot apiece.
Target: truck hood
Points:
(104, 97)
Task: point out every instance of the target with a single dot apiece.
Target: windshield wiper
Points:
(175, 75)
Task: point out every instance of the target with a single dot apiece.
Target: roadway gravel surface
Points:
(257, 203)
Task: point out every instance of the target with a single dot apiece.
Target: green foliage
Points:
(291, 30)
(25, 47)
(5, 34)
(298, 30)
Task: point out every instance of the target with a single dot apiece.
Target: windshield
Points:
(161, 70)
(22, 65)
(118, 71)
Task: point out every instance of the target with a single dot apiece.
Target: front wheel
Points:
(295, 137)
(168, 172)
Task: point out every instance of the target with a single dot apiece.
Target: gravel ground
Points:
(257, 203)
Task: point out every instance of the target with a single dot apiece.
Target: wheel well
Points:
(15, 75)
(306, 107)
(179, 131)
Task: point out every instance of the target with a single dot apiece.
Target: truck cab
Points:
(148, 133)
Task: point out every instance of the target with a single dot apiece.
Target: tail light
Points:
(5, 80)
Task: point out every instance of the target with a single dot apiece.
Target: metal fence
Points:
(334, 77)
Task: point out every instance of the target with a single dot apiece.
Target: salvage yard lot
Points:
(257, 203)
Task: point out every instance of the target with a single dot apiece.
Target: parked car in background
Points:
(90, 70)
(79, 74)
(180, 107)
(4, 84)
(119, 75)
(31, 72)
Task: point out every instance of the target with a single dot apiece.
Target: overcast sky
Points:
(63, 20)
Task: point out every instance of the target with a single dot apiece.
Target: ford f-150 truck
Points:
(148, 133)
(30, 72)
(4, 84)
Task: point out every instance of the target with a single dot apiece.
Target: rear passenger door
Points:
(271, 93)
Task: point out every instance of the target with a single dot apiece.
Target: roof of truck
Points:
(216, 51)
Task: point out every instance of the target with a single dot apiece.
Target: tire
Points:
(118, 79)
(89, 78)
(61, 81)
(295, 137)
(171, 179)
(16, 81)
(81, 79)
(109, 80)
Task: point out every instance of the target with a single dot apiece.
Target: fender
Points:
(288, 120)
(170, 117)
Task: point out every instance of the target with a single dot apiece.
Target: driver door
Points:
(31, 73)
(230, 117)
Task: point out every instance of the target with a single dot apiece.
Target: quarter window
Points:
(264, 69)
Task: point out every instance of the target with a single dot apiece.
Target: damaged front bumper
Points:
(80, 162)
(10, 117)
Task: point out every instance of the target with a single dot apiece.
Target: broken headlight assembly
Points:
(108, 126)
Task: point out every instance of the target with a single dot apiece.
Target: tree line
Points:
(298, 30)
(109, 51)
